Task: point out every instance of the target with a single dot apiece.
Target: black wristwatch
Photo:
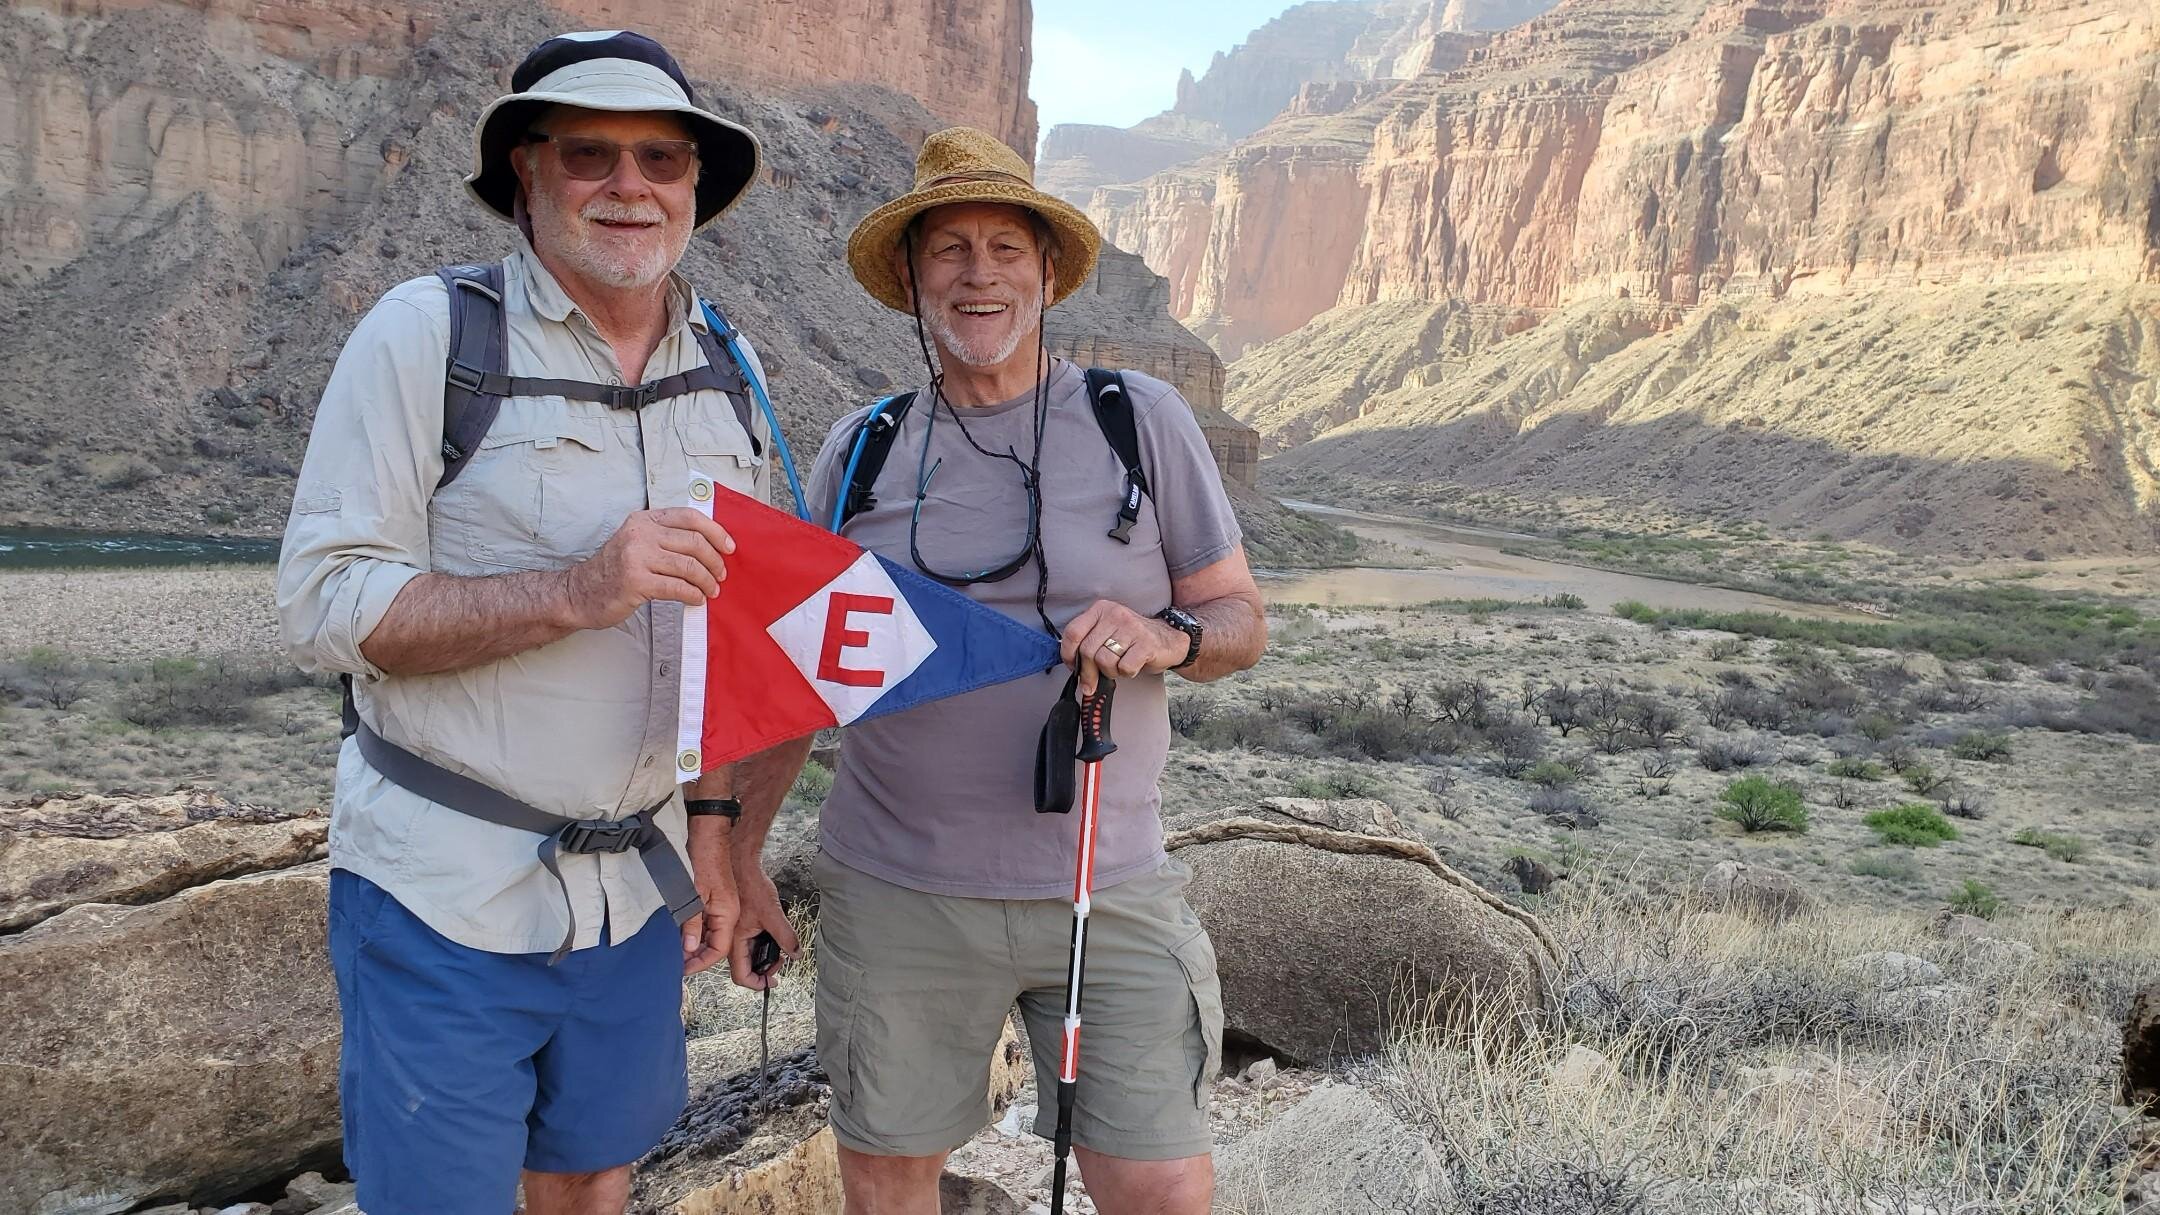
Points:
(1187, 623)
(725, 807)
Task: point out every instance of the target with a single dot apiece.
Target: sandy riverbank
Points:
(138, 614)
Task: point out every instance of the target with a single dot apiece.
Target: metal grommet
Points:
(701, 490)
(687, 761)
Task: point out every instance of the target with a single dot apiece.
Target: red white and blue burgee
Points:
(810, 631)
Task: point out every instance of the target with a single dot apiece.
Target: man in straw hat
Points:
(944, 899)
(490, 552)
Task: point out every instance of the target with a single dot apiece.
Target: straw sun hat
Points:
(961, 165)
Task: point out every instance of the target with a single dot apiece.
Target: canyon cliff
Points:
(202, 199)
(1636, 184)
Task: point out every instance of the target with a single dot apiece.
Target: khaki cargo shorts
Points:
(913, 990)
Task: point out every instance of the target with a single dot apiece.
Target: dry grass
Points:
(1753, 1072)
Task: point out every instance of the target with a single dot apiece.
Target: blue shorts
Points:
(461, 1067)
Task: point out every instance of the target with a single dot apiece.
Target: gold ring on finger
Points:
(1115, 646)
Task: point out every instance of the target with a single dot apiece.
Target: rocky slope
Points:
(1687, 170)
(217, 195)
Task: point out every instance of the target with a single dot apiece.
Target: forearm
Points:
(440, 622)
(761, 784)
(1233, 634)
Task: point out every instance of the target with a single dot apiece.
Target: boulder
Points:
(1580, 1067)
(187, 1047)
(1533, 875)
(1336, 1150)
(1955, 926)
(94, 849)
(2141, 1049)
(1324, 939)
(1754, 890)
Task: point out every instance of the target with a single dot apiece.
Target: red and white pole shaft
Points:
(1095, 745)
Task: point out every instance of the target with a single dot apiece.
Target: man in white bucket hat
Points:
(485, 541)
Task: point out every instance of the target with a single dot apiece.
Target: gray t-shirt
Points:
(940, 798)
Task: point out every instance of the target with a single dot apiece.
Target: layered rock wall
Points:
(1670, 151)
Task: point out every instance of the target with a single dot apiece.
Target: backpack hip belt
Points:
(559, 834)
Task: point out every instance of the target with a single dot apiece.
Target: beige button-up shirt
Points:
(584, 727)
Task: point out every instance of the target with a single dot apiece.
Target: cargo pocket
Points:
(716, 445)
(837, 983)
(1196, 955)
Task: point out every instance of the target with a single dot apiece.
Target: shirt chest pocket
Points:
(540, 492)
(713, 443)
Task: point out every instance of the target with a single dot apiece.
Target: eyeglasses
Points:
(589, 158)
(1028, 483)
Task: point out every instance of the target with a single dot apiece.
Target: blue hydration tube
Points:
(847, 477)
(772, 420)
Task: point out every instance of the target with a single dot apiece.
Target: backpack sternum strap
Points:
(475, 379)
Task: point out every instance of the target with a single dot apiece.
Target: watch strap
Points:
(1183, 622)
(725, 807)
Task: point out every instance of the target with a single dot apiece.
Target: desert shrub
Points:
(1898, 757)
(1721, 708)
(1566, 807)
(1656, 723)
(1724, 755)
(53, 676)
(1924, 780)
(1877, 726)
(1889, 866)
(1854, 767)
(1316, 716)
(1403, 703)
(1953, 695)
(1241, 728)
(192, 692)
(1981, 745)
(1606, 715)
(1764, 709)
(1189, 711)
(1441, 784)
(1962, 803)
(1375, 736)
(812, 784)
(1757, 804)
(2126, 702)
(1551, 773)
(1912, 825)
(1822, 691)
(1726, 649)
(1463, 702)
(1566, 600)
(2068, 849)
(1515, 742)
(1637, 611)
(1654, 773)
(1975, 897)
(1561, 703)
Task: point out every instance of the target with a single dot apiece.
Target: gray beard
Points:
(950, 342)
(568, 241)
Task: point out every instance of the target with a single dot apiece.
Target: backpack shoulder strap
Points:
(1114, 413)
(719, 350)
(479, 346)
(872, 442)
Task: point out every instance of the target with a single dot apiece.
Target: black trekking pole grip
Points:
(1095, 740)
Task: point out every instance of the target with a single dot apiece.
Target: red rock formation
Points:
(1673, 150)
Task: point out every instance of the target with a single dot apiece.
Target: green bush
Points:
(1924, 780)
(1975, 897)
(1982, 745)
(1566, 599)
(2068, 849)
(812, 784)
(1635, 610)
(1914, 825)
(1852, 767)
(1552, 774)
(1759, 805)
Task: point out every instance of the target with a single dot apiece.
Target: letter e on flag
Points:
(854, 639)
(838, 636)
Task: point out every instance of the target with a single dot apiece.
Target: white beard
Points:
(570, 239)
(1026, 315)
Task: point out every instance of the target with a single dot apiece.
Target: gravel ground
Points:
(138, 614)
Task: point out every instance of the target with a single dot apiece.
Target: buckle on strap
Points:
(589, 836)
(632, 396)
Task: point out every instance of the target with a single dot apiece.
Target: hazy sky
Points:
(1116, 61)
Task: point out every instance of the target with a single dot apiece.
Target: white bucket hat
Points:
(614, 70)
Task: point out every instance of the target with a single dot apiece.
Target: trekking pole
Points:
(1095, 744)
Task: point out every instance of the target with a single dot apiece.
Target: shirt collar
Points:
(548, 298)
